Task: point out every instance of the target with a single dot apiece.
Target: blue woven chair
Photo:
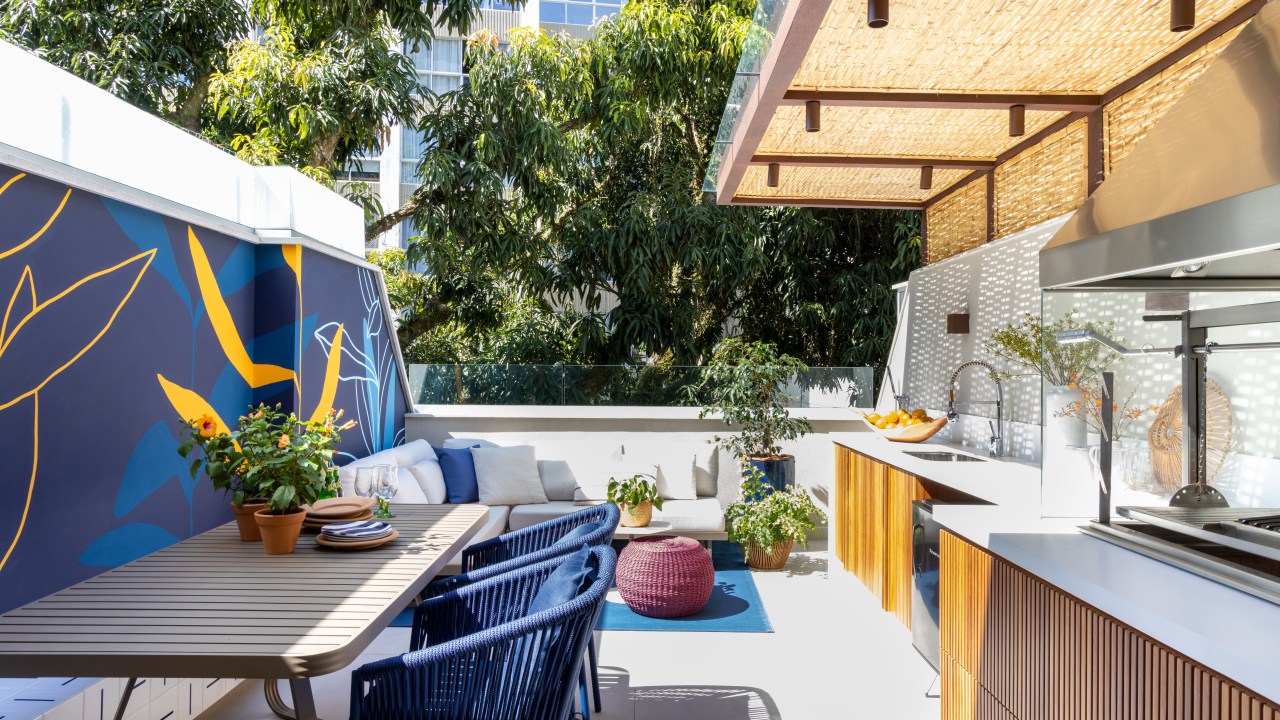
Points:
(519, 548)
(483, 658)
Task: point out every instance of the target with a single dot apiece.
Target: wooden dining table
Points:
(214, 606)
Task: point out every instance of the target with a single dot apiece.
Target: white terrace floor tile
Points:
(834, 654)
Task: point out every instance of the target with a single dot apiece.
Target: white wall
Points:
(601, 433)
(142, 159)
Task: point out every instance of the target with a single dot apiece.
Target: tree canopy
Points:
(569, 172)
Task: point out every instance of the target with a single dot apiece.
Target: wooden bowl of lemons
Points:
(897, 422)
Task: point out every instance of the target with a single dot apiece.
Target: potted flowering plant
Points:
(277, 456)
(636, 497)
(768, 522)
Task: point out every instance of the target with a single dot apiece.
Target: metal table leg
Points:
(304, 704)
(124, 698)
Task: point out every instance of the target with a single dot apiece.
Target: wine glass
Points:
(386, 487)
(365, 481)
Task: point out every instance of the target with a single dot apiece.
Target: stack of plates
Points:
(341, 509)
(357, 534)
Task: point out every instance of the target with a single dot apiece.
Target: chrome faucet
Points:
(995, 447)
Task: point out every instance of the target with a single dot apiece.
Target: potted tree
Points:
(277, 455)
(636, 497)
(768, 522)
(745, 383)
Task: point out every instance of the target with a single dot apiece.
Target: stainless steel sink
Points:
(944, 456)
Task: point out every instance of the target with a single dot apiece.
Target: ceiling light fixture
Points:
(813, 115)
(774, 171)
(877, 13)
(1190, 269)
(926, 177)
(1017, 120)
(1182, 15)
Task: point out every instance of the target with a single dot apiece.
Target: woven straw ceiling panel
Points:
(825, 183)
(1042, 182)
(1009, 46)
(911, 132)
(958, 222)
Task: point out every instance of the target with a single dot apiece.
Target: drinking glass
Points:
(365, 481)
(387, 485)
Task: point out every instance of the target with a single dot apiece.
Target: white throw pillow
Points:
(410, 490)
(508, 475)
(557, 479)
(430, 478)
(670, 466)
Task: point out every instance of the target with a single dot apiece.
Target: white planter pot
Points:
(1062, 431)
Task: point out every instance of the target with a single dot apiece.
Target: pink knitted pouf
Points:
(664, 576)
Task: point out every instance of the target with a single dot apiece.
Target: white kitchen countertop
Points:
(1229, 631)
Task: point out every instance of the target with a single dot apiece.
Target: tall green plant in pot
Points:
(745, 383)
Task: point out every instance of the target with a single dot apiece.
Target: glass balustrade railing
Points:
(617, 385)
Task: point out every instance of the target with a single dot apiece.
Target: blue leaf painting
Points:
(153, 463)
(126, 544)
(146, 230)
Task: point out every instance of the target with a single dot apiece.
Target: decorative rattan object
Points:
(664, 576)
(1165, 437)
(639, 516)
(768, 558)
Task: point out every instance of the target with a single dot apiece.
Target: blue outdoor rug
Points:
(735, 604)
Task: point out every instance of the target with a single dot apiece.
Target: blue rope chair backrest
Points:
(486, 659)
(600, 536)
(535, 537)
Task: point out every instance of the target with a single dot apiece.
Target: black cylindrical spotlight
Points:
(1182, 15)
(877, 13)
(774, 171)
(1017, 120)
(926, 177)
(813, 115)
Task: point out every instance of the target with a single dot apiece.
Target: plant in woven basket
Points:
(768, 520)
(1034, 345)
(636, 497)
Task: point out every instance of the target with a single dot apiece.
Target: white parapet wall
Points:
(89, 133)
(606, 435)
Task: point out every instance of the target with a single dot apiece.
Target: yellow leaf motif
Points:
(41, 231)
(293, 258)
(52, 336)
(331, 368)
(224, 326)
(189, 405)
(20, 305)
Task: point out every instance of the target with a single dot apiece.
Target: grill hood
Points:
(1203, 186)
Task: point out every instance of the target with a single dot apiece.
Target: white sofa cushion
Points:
(558, 481)
(706, 471)
(704, 514)
(420, 478)
(410, 491)
(493, 527)
(508, 475)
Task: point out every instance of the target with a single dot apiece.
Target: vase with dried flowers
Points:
(1131, 459)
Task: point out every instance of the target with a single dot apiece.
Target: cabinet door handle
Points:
(917, 544)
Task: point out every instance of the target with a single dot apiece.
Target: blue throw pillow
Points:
(459, 472)
(564, 583)
(578, 535)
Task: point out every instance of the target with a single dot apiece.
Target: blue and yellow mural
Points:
(116, 323)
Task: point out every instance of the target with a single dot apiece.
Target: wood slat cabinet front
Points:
(873, 527)
(1016, 648)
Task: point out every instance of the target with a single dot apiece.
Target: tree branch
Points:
(418, 199)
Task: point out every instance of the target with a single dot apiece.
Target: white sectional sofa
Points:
(575, 475)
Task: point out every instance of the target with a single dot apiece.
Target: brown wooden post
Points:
(1096, 152)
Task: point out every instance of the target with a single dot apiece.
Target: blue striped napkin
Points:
(356, 530)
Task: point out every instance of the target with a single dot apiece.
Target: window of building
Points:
(496, 5)
(439, 64)
(361, 169)
(576, 12)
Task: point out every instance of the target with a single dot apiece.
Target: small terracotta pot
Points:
(244, 519)
(279, 532)
(768, 558)
(638, 516)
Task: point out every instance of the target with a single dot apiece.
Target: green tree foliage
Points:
(572, 170)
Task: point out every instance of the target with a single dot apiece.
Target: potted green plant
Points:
(768, 522)
(636, 497)
(283, 458)
(1032, 344)
(745, 383)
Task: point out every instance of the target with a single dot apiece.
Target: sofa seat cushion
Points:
(492, 528)
(703, 514)
(522, 516)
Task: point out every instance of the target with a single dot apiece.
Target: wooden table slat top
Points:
(213, 606)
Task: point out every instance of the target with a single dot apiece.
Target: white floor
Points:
(833, 654)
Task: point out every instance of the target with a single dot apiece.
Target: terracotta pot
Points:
(768, 558)
(638, 516)
(279, 532)
(244, 519)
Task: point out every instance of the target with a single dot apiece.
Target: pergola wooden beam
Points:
(946, 101)
(827, 203)
(871, 162)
